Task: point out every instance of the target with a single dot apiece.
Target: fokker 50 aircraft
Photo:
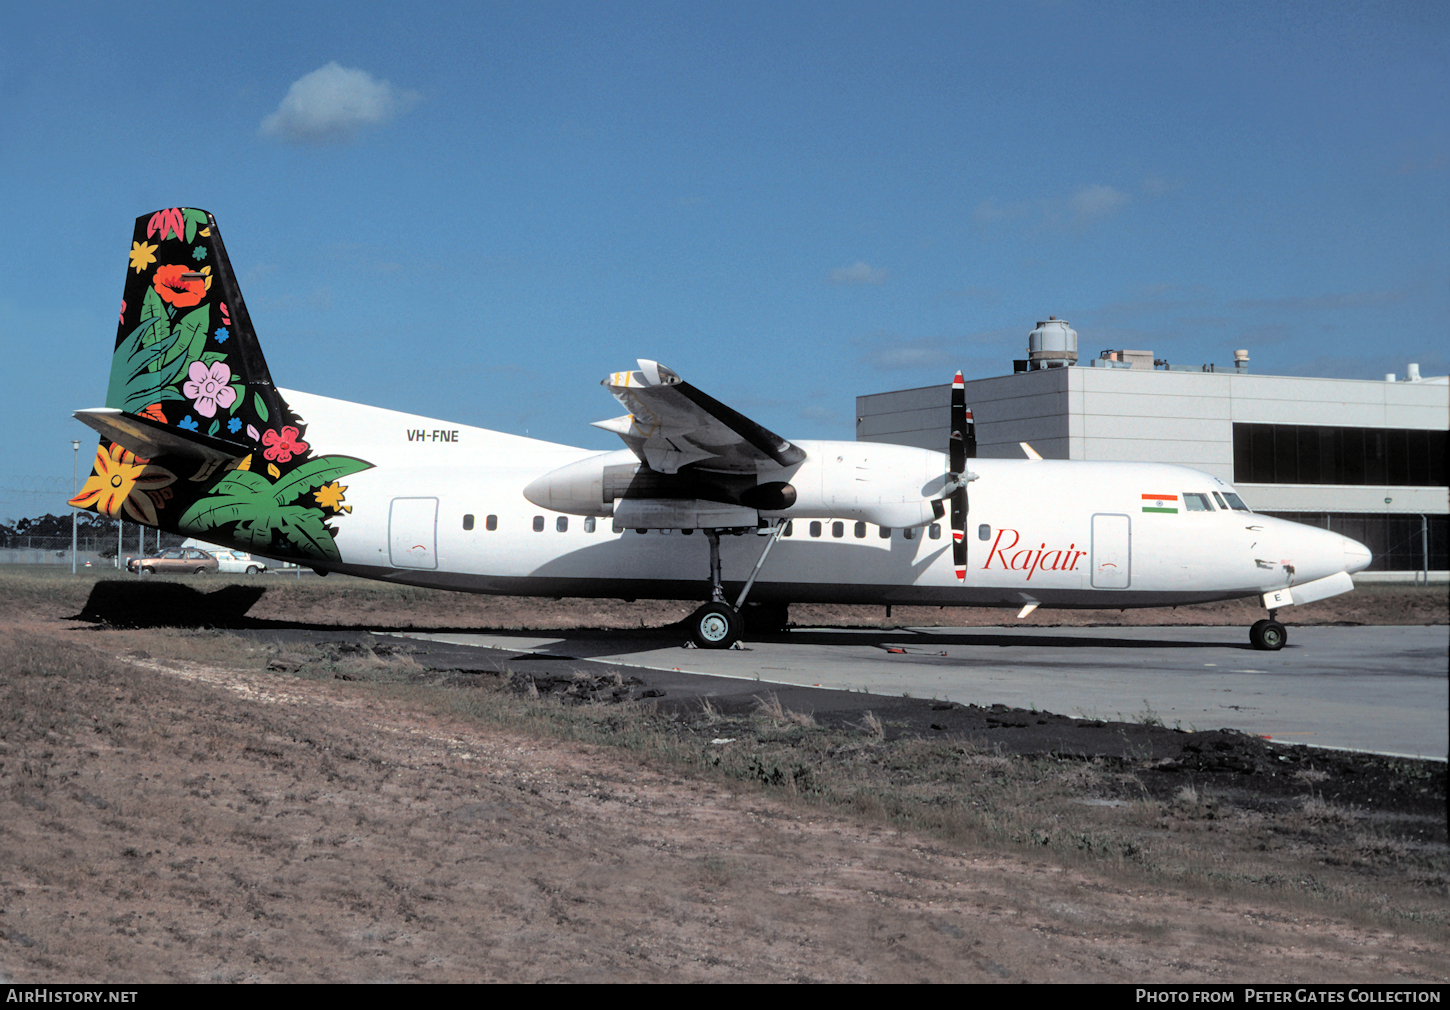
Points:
(197, 440)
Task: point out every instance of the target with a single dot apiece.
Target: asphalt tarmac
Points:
(1378, 689)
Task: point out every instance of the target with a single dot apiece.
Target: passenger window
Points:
(538, 524)
(885, 533)
(468, 522)
(860, 531)
(641, 532)
(984, 532)
(838, 530)
(789, 528)
(935, 531)
(815, 529)
(908, 534)
(561, 524)
(1196, 502)
(589, 524)
(491, 523)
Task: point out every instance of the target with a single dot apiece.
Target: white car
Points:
(237, 562)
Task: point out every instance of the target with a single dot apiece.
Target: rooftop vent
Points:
(1052, 345)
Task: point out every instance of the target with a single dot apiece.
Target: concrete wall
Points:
(1168, 417)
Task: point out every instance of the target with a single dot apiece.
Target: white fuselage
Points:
(444, 505)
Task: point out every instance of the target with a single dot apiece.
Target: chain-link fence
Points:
(19, 549)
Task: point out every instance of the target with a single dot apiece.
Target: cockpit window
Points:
(1236, 503)
(1221, 503)
(1196, 502)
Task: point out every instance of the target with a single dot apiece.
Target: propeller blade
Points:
(957, 444)
(961, 445)
(959, 539)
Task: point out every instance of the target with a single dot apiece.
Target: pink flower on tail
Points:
(208, 387)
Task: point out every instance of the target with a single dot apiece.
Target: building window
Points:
(468, 522)
(1320, 454)
(1399, 543)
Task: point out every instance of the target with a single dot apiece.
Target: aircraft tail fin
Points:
(195, 437)
(186, 355)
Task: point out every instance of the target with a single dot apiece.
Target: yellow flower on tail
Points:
(120, 481)
(329, 496)
(143, 254)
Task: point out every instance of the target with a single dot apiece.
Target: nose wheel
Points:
(1268, 635)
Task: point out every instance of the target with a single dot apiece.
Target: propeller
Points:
(961, 446)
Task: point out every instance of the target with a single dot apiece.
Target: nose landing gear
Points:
(1269, 635)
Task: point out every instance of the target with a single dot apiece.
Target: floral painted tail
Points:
(195, 437)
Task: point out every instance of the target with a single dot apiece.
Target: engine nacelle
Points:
(888, 485)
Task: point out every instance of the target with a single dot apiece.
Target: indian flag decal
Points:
(1160, 503)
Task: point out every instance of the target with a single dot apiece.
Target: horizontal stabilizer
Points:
(149, 439)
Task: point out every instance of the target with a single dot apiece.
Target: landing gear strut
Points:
(1269, 635)
(718, 625)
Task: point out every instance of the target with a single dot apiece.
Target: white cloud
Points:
(332, 104)
(857, 273)
(1097, 201)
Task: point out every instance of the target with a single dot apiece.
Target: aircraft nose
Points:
(1356, 556)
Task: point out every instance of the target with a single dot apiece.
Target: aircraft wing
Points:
(672, 424)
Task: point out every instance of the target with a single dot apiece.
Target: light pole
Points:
(75, 465)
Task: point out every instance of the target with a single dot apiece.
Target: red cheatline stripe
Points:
(1161, 497)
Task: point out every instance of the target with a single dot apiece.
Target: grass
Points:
(1313, 855)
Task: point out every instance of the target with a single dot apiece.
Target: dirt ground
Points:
(171, 810)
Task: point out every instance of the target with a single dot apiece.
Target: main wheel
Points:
(201, 571)
(253, 569)
(148, 571)
(1268, 635)
(715, 626)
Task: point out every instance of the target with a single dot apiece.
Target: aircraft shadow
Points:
(127, 604)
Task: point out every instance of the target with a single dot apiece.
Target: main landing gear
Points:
(718, 625)
(1269, 635)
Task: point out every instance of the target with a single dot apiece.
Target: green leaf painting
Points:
(137, 379)
(263, 510)
(189, 337)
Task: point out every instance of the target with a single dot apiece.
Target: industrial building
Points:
(1366, 458)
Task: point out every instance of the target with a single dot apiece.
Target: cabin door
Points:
(413, 533)
(1112, 551)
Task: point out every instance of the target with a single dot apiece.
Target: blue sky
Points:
(477, 211)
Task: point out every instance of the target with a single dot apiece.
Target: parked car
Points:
(238, 562)
(177, 561)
